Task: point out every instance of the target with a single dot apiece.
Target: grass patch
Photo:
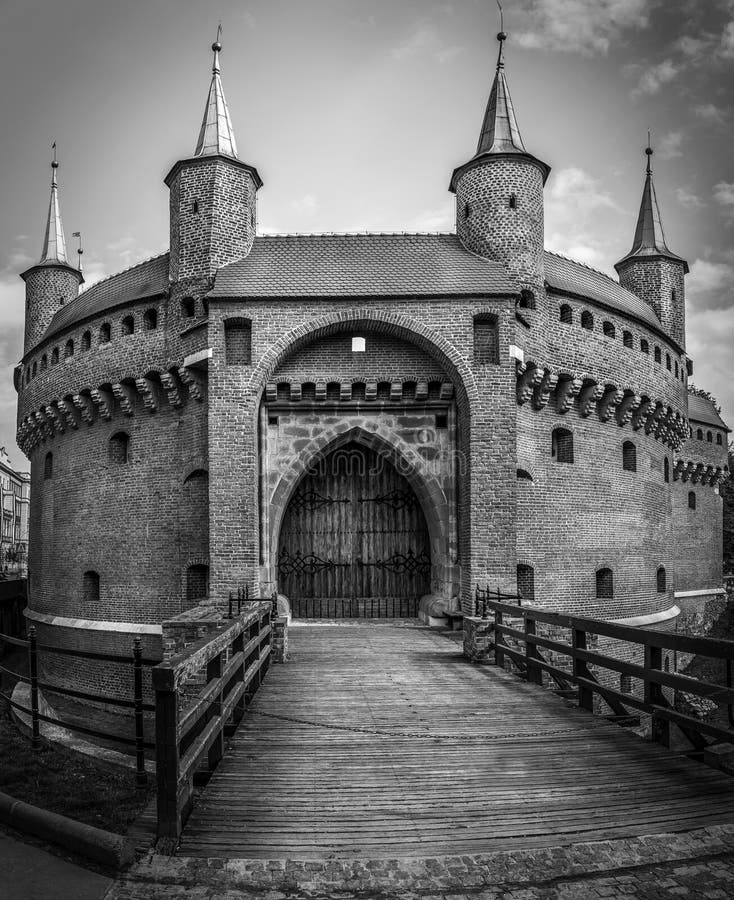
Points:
(68, 783)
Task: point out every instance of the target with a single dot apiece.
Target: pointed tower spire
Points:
(500, 133)
(54, 245)
(216, 135)
(649, 239)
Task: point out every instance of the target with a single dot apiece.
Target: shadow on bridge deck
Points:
(381, 741)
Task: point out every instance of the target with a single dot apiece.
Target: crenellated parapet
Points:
(151, 393)
(539, 385)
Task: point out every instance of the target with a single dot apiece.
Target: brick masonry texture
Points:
(208, 476)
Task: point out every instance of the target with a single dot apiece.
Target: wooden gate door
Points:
(354, 540)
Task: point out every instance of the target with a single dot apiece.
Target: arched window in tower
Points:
(54, 356)
(35, 369)
(673, 296)
(48, 466)
(28, 375)
(644, 346)
(527, 300)
(237, 342)
(667, 362)
(587, 320)
(709, 437)
(44, 365)
(658, 355)
(719, 440)
(188, 307)
(150, 319)
(87, 340)
(629, 457)
(69, 349)
(513, 201)
(566, 314)
(486, 340)
(467, 210)
(526, 582)
(604, 584)
(675, 364)
(119, 448)
(661, 580)
(90, 588)
(691, 499)
(666, 470)
(197, 583)
(562, 445)
(699, 434)
(127, 326)
(609, 330)
(524, 475)
(627, 339)
(105, 333)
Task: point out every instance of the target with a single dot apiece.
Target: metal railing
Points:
(135, 703)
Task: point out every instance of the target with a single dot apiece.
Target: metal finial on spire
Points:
(54, 245)
(501, 36)
(216, 47)
(78, 234)
(648, 151)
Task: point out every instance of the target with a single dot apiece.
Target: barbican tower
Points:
(213, 195)
(52, 281)
(651, 270)
(499, 193)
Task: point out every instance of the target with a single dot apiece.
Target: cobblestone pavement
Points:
(697, 864)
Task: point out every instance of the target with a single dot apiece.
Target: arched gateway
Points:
(354, 540)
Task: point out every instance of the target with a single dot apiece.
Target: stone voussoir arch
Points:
(402, 326)
(408, 463)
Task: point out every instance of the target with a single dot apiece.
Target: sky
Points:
(355, 113)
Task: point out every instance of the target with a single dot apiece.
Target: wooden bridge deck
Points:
(381, 741)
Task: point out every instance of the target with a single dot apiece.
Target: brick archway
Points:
(405, 327)
(433, 500)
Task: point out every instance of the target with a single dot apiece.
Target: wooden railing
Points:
(226, 669)
(652, 674)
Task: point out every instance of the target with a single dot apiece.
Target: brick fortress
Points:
(359, 421)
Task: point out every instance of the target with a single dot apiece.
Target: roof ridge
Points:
(585, 266)
(122, 272)
(358, 234)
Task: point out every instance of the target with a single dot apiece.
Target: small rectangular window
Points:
(272, 420)
(442, 421)
(359, 345)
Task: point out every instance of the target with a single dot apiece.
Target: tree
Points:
(707, 395)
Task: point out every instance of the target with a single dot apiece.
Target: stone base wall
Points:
(478, 639)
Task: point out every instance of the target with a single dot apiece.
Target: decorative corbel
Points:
(70, 413)
(85, 406)
(543, 389)
(195, 383)
(528, 377)
(609, 401)
(125, 396)
(567, 389)
(148, 390)
(588, 397)
(172, 388)
(626, 408)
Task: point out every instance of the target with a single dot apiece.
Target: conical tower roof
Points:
(54, 245)
(216, 135)
(649, 239)
(500, 135)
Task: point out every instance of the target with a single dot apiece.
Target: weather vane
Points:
(78, 234)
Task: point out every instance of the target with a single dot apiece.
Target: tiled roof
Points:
(575, 278)
(361, 265)
(702, 410)
(142, 280)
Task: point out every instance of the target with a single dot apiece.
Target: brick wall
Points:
(47, 288)
(655, 280)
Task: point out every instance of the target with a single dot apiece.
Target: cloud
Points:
(724, 196)
(726, 46)
(688, 199)
(654, 77)
(709, 113)
(577, 26)
(440, 219)
(425, 40)
(574, 208)
(308, 203)
(710, 336)
(669, 145)
(710, 285)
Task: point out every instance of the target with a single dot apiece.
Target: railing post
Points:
(535, 673)
(659, 727)
(33, 666)
(239, 709)
(229, 616)
(216, 751)
(167, 762)
(140, 774)
(499, 656)
(581, 670)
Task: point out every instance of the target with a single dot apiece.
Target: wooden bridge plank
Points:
(445, 757)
